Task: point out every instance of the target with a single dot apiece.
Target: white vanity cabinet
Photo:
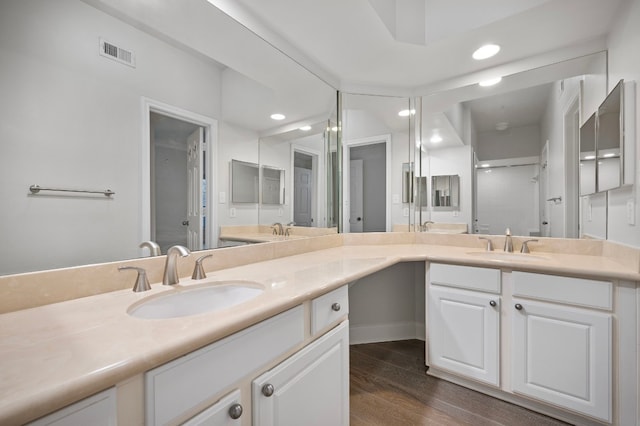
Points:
(464, 325)
(310, 388)
(561, 350)
(311, 385)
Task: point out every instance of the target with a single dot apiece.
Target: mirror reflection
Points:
(609, 141)
(588, 156)
(515, 147)
(244, 182)
(158, 122)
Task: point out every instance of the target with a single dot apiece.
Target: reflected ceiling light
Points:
(484, 165)
(590, 157)
(502, 126)
(277, 116)
(436, 139)
(407, 112)
(305, 128)
(334, 129)
(490, 82)
(485, 52)
(609, 155)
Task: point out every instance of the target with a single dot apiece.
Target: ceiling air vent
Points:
(111, 51)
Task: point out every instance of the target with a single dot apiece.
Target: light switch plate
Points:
(222, 197)
(631, 212)
(396, 198)
(232, 212)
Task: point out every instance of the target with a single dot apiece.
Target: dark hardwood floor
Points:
(389, 387)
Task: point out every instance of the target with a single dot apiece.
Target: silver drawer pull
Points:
(335, 306)
(235, 411)
(493, 303)
(267, 390)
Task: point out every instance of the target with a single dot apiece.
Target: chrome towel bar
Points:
(37, 188)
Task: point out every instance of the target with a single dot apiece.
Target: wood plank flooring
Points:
(388, 386)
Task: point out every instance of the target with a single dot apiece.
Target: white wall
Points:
(624, 63)
(453, 161)
(241, 144)
(72, 118)
(388, 305)
(515, 142)
(508, 198)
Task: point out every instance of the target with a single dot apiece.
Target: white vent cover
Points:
(111, 51)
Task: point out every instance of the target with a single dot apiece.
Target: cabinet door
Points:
(226, 412)
(310, 388)
(464, 333)
(562, 355)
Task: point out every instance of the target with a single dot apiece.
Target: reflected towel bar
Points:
(37, 188)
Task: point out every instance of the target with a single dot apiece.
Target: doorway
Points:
(367, 206)
(177, 177)
(304, 183)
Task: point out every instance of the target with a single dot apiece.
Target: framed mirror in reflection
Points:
(77, 118)
(245, 178)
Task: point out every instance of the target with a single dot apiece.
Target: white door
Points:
(194, 222)
(303, 196)
(464, 333)
(562, 355)
(356, 201)
(311, 388)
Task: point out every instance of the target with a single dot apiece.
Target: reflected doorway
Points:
(178, 177)
(367, 207)
(303, 189)
(178, 152)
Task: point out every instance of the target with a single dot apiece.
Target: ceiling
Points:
(406, 44)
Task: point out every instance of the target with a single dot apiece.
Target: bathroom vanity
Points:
(554, 332)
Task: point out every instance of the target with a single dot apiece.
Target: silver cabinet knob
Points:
(235, 411)
(493, 303)
(267, 390)
(518, 306)
(335, 306)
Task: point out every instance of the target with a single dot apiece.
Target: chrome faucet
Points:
(154, 248)
(425, 225)
(171, 265)
(277, 228)
(508, 243)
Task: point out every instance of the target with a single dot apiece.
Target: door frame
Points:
(346, 158)
(320, 220)
(571, 128)
(211, 142)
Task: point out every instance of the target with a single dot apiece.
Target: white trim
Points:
(346, 158)
(211, 139)
(319, 217)
(571, 109)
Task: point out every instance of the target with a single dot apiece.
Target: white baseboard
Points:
(386, 332)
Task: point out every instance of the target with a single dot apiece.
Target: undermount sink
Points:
(198, 300)
(507, 257)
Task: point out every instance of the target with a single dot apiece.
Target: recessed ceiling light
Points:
(609, 155)
(501, 126)
(590, 157)
(436, 139)
(305, 128)
(334, 129)
(277, 116)
(490, 82)
(486, 51)
(407, 112)
(484, 165)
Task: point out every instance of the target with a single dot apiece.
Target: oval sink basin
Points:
(507, 257)
(198, 300)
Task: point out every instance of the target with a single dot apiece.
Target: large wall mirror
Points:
(176, 99)
(515, 147)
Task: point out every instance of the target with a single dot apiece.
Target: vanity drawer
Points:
(469, 277)
(175, 389)
(568, 290)
(329, 308)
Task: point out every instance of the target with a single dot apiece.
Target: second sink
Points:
(197, 300)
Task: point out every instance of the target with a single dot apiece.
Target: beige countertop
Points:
(56, 354)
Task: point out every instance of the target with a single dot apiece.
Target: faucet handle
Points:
(198, 270)
(142, 283)
(489, 243)
(525, 246)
